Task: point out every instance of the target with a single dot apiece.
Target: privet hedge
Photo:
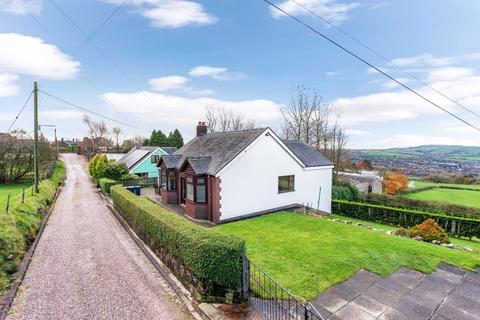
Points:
(106, 184)
(456, 226)
(213, 258)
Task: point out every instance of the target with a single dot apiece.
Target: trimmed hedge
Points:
(213, 258)
(106, 184)
(453, 225)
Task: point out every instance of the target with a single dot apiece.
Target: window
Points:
(189, 183)
(155, 158)
(142, 174)
(163, 178)
(172, 180)
(201, 190)
(286, 184)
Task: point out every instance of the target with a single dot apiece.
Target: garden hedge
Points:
(453, 225)
(106, 184)
(213, 258)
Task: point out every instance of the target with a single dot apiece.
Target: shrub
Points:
(214, 258)
(101, 166)
(115, 170)
(402, 232)
(429, 230)
(345, 192)
(106, 184)
(453, 225)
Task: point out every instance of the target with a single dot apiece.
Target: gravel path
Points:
(87, 267)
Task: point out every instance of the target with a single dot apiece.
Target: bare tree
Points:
(116, 132)
(220, 119)
(308, 118)
(96, 131)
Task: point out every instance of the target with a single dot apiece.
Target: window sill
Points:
(287, 191)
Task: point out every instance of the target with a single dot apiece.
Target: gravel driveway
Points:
(87, 267)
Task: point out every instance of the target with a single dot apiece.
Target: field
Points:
(307, 254)
(422, 184)
(460, 197)
(15, 191)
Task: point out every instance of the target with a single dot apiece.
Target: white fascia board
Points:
(319, 168)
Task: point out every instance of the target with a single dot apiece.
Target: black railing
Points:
(271, 299)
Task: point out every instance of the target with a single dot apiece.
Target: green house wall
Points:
(147, 166)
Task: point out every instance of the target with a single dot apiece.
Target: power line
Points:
(103, 24)
(79, 47)
(368, 63)
(381, 56)
(114, 64)
(92, 112)
(20, 112)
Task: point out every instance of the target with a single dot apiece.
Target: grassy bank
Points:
(308, 254)
(19, 226)
(467, 198)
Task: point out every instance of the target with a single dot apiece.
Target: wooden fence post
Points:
(23, 195)
(8, 202)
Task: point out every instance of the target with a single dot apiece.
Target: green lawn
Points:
(309, 254)
(467, 198)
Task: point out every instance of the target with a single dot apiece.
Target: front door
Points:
(183, 190)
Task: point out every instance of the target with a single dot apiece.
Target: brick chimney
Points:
(202, 128)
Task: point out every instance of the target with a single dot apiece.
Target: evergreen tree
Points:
(158, 138)
(175, 139)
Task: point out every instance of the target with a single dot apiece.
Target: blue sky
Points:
(160, 63)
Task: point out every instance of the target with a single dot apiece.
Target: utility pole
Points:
(35, 138)
(56, 141)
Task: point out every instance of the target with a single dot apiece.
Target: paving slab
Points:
(381, 295)
(406, 277)
(452, 269)
(452, 312)
(353, 312)
(371, 306)
(412, 310)
(392, 314)
(329, 301)
(392, 286)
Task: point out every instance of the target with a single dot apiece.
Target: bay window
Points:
(189, 185)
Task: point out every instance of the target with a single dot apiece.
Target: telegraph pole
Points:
(56, 141)
(35, 138)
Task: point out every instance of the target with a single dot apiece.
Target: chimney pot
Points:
(201, 128)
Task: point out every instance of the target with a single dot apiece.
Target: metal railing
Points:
(271, 299)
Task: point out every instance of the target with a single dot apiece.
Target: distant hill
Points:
(423, 160)
(438, 152)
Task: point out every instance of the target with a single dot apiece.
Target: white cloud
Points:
(171, 13)
(169, 110)
(424, 59)
(216, 73)
(8, 86)
(167, 83)
(379, 5)
(199, 92)
(22, 54)
(357, 132)
(21, 7)
(332, 73)
(333, 11)
(61, 114)
(447, 74)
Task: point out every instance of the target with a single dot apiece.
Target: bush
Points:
(106, 184)
(345, 192)
(429, 230)
(115, 170)
(214, 258)
(457, 226)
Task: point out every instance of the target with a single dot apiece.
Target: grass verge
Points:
(19, 226)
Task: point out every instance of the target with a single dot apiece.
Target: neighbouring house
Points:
(142, 161)
(365, 181)
(226, 176)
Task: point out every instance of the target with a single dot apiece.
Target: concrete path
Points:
(449, 293)
(87, 267)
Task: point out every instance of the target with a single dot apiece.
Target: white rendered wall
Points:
(250, 182)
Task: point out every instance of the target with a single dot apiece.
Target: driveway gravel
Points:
(87, 267)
